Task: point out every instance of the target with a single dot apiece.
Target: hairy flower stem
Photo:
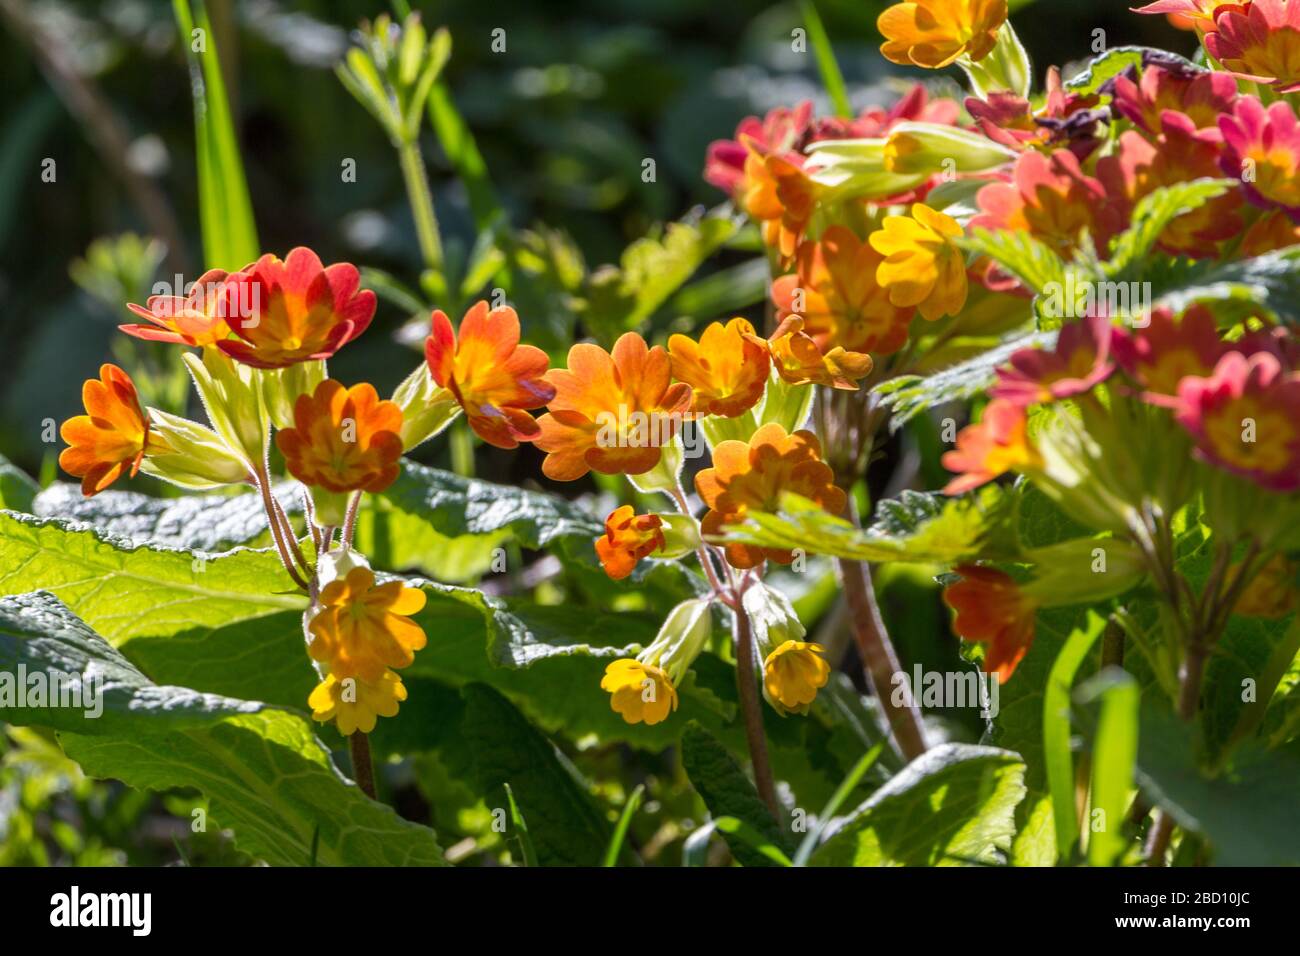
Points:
(350, 520)
(277, 533)
(421, 199)
(363, 770)
(879, 659)
(751, 707)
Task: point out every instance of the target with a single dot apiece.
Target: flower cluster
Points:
(262, 336)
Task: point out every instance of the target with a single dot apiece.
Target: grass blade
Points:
(225, 211)
(521, 830)
(837, 799)
(1056, 733)
(1114, 754)
(832, 79)
(696, 846)
(624, 821)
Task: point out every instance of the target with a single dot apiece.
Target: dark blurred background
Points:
(564, 117)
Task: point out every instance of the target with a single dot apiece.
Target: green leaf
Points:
(1247, 814)
(909, 395)
(918, 527)
(526, 851)
(624, 822)
(832, 79)
(695, 848)
(726, 791)
(953, 805)
(650, 270)
(17, 491)
(455, 506)
(1114, 62)
(1153, 214)
(565, 827)
(267, 777)
(1028, 259)
(1058, 760)
(809, 842)
(225, 211)
(1270, 282)
(1114, 752)
(462, 152)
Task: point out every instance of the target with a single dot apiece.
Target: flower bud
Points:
(930, 148)
(1006, 67)
(231, 395)
(793, 669)
(427, 408)
(282, 386)
(664, 476)
(681, 535)
(681, 639)
(191, 455)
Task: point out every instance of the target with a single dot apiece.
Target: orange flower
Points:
(343, 439)
(363, 629)
(836, 291)
(726, 369)
(998, 444)
(197, 319)
(628, 538)
(922, 267)
(992, 610)
(753, 476)
(779, 196)
(613, 413)
(112, 436)
(293, 311)
(799, 360)
(935, 33)
(492, 376)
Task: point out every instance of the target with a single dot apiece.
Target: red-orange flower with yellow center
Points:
(934, 33)
(726, 369)
(295, 310)
(753, 476)
(835, 290)
(343, 439)
(1259, 40)
(628, 538)
(111, 437)
(998, 444)
(362, 629)
(799, 360)
(992, 610)
(195, 319)
(494, 378)
(612, 412)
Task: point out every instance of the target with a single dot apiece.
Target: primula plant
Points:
(975, 539)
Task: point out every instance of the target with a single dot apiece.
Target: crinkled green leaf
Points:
(727, 791)
(953, 805)
(1153, 214)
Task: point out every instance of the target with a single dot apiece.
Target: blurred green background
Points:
(584, 92)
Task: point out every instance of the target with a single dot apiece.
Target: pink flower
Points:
(1080, 362)
(782, 131)
(1262, 148)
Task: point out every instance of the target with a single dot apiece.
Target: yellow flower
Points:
(793, 673)
(934, 33)
(640, 692)
(923, 267)
(356, 704)
(362, 629)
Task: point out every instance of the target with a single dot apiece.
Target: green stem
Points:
(421, 198)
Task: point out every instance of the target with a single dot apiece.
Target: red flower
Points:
(494, 378)
(1161, 355)
(197, 319)
(1050, 198)
(1201, 96)
(1260, 41)
(1066, 119)
(998, 444)
(294, 311)
(628, 538)
(992, 610)
(782, 131)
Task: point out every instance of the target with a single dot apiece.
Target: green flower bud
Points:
(427, 408)
(196, 457)
(681, 639)
(231, 395)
